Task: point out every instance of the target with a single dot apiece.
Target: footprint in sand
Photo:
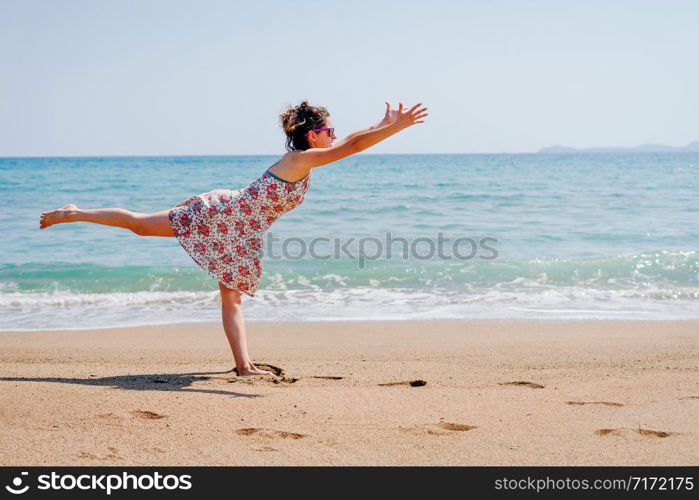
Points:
(111, 456)
(110, 419)
(411, 383)
(456, 427)
(155, 451)
(440, 429)
(523, 383)
(147, 415)
(285, 380)
(269, 433)
(628, 431)
(605, 403)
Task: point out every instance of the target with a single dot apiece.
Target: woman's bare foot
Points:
(56, 216)
(252, 370)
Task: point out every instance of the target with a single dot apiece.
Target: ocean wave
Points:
(65, 310)
(666, 268)
(662, 284)
(61, 299)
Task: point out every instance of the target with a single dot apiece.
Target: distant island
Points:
(643, 148)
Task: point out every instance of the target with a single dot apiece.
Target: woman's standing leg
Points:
(156, 224)
(234, 326)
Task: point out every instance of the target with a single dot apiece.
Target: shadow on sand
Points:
(149, 382)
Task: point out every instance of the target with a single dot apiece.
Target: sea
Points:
(542, 237)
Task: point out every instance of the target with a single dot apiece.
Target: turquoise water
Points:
(590, 236)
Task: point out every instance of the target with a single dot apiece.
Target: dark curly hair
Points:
(299, 120)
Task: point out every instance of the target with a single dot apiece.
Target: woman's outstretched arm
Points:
(316, 157)
(390, 114)
(402, 121)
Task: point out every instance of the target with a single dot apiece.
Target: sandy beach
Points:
(355, 393)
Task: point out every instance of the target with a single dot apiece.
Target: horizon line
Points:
(234, 155)
(575, 152)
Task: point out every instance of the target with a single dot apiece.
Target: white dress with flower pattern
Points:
(222, 229)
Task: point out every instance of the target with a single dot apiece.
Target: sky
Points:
(147, 77)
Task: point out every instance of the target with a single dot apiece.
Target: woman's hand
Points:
(404, 119)
(390, 116)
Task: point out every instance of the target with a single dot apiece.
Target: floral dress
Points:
(222, 229)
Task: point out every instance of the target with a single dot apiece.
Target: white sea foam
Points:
(67, 310)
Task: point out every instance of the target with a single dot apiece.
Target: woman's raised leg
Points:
(234, 326)
(156, 224)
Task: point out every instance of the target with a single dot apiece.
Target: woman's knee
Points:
(229, 297)
(135, 223)
(157, 224)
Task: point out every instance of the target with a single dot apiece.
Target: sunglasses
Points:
(331, 130)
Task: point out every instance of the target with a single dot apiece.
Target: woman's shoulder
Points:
(288, 168)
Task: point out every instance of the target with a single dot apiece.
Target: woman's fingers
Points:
(412, 110)
(415, 107)
(415, 111)
(412, 115)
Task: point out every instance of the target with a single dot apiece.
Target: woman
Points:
(222, 229)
